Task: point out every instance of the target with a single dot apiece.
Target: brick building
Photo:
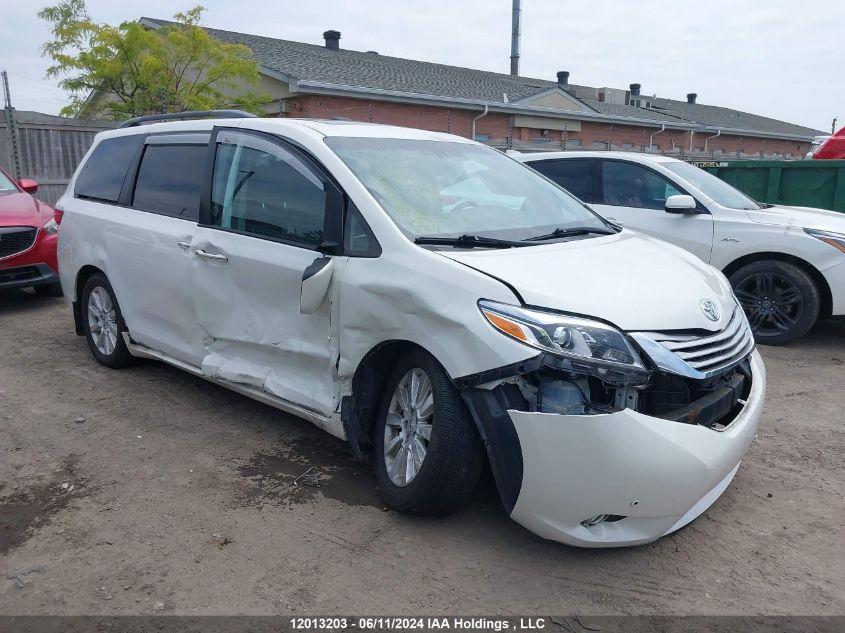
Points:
(329, 82)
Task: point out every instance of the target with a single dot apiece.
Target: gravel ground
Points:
(148, 490)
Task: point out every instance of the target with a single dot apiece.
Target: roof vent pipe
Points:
(635, 90)
(332, 40)
(563, 78)
(691, 97)
(516, 20)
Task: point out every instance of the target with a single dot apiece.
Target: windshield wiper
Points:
(469, 241)
(572, 231)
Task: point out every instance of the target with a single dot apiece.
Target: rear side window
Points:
(170, 179)
(574, 175)
(102, 175)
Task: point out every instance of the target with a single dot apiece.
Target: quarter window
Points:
(102, 176)
(265, 190)
(574, 175)
(631, 185)
(170, 179)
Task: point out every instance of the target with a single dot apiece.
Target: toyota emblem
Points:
(710, 310)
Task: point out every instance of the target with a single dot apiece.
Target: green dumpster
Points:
(801, 183)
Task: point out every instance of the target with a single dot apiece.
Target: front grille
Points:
(709, 354)
(14, 240)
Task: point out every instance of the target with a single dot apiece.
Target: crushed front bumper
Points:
(656, 474)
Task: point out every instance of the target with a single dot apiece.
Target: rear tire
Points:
(103, 323)
(49, 290)
(781, 301)
(452, 457)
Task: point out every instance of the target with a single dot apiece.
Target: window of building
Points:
(627, 146)
(170, 179)
(631, 185)
(102, 176)
(655, 147)
(575, 175)
(718, 152)
(482, 137)
(573, 142)
(263, 189)
(541, 140)
(600, 144)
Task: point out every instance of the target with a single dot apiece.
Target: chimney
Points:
(635, 90)
(691, 97)
(516, 20)
(332, 40)
(563, 78)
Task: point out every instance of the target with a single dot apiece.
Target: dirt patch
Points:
(307, 469)
(24, 511)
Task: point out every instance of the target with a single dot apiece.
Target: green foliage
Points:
(129, 70)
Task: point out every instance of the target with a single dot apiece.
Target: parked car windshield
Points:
(6, 184)
(718, 190)
(442, 188)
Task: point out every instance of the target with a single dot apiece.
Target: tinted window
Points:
(102, 175)
(630, 185)
(359, 239)
(263, 189)
(576, 176)
(170, 179)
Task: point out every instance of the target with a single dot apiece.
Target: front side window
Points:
(632, 185)
(265, 190)
(575, 175)
(718, 190)
(447, 189)
(102, 175)
(170, 179)
(6, 184)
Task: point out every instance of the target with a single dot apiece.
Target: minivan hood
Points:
(801, 217)
(632, 281)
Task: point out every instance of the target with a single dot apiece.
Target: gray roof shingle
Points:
(370, 70)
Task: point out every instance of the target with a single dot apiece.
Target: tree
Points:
(130, 70)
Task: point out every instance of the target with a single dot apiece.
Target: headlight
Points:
(836, 240)
(50, 228)
(579, 345)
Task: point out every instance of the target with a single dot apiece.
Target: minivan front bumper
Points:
(656, 474)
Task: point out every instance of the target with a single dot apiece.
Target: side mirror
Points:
(30, 186)
(315, 284)
(681, 204)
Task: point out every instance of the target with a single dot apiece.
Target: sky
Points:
(778, 58)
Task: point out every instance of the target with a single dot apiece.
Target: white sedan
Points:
(786, 264)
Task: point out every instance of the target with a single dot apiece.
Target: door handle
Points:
(183, 245)
(217, 257)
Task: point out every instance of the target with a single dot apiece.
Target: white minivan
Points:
(428, 299)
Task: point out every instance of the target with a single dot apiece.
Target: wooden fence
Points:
(49, 148)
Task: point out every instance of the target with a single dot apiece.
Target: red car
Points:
(28, 236)
(833, 147)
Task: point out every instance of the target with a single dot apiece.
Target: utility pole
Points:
(516, 20)
(13, 128)
(833, 125)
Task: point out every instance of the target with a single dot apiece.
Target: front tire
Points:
(428, 453)
(781, 301)
(103, 323)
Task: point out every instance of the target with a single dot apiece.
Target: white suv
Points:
(786, 264)
(431, 301)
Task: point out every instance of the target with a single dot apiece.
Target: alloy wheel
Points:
(102, 321)
(772, 303)
(407, 430)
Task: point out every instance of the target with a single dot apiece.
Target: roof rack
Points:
(191, 114)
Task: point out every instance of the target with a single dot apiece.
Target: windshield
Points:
(720, 191)
(6, 184)
(441, 188)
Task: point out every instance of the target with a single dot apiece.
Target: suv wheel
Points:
(428, 453)
(781, 301)
(103, 323)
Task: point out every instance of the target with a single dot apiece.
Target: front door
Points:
(269, 215)
(635, 197)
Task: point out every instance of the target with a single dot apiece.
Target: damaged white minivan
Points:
(428, 299)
